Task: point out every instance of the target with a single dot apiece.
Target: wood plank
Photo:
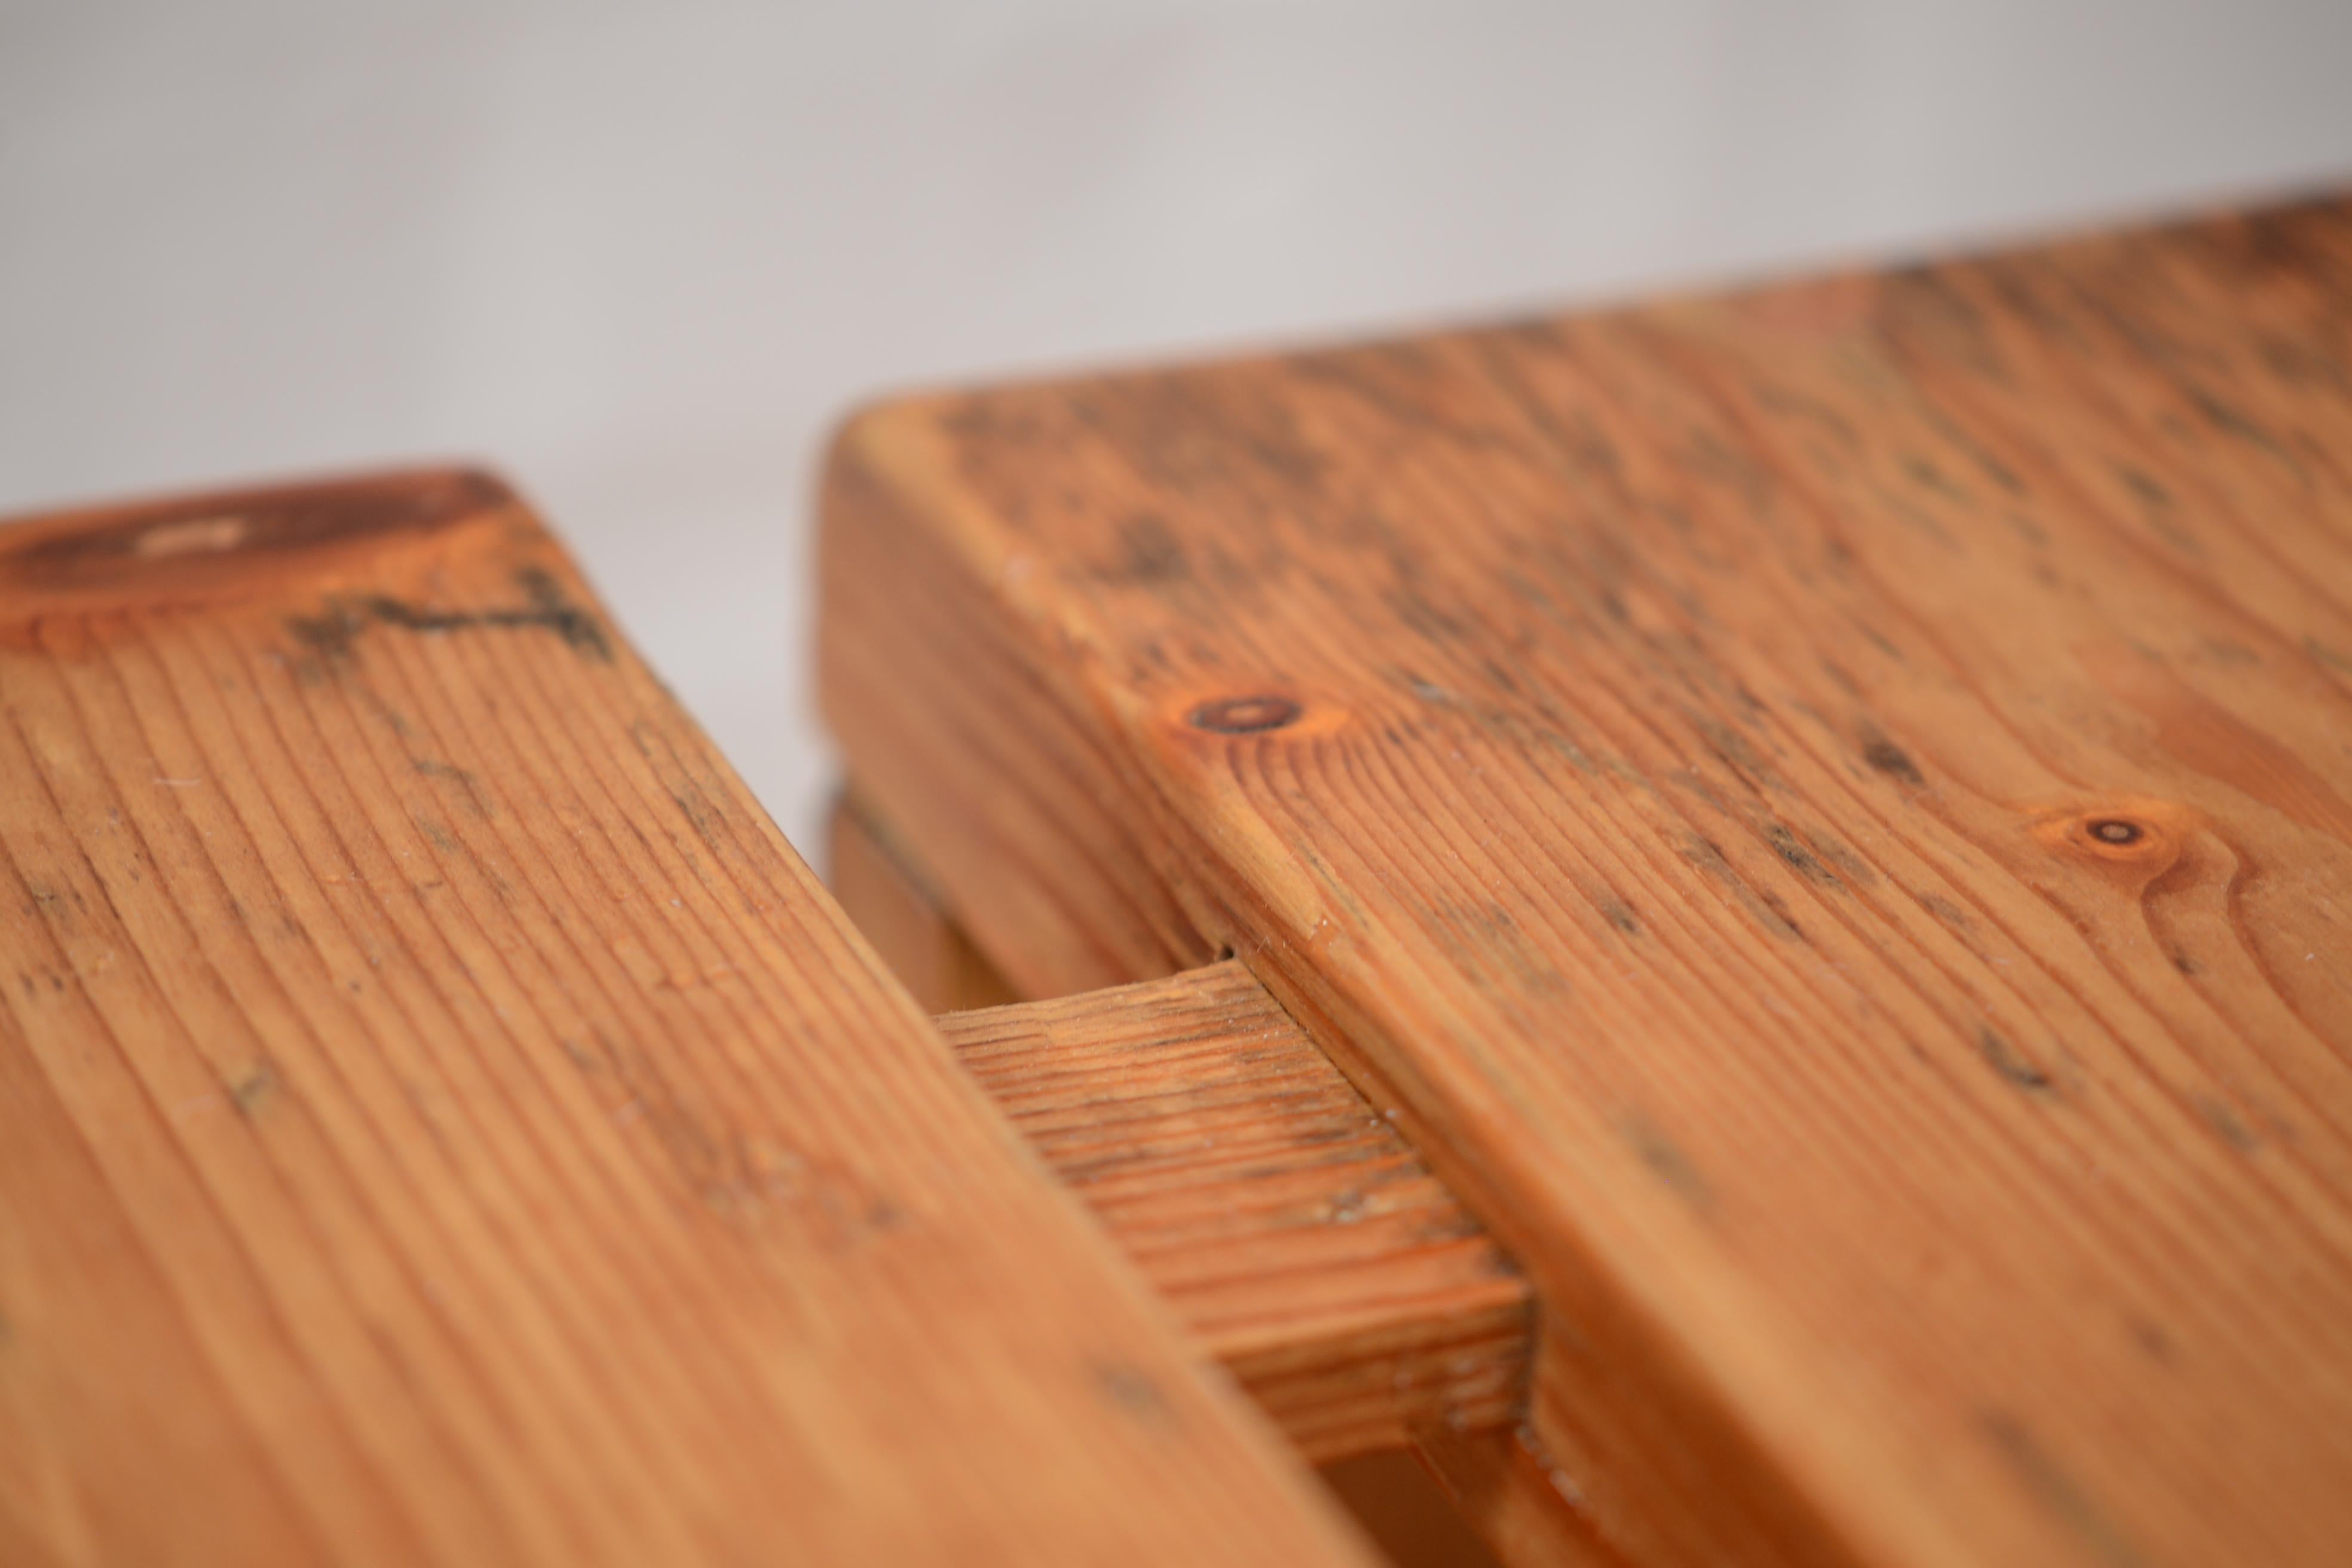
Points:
(1303, 1241)
(1504, 1489)
(895, 907)
(1408, 1514)
(1825, 808)
(1047, 864)
(441, 1121)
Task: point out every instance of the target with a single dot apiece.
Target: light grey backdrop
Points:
(639, 258)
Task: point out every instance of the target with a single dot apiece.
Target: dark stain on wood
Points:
(331, 635)
(1150, 554)
(1668, 1162)
(1799, 857)
(2014, 1065)
(250, 1089)
(2227, 1125)
(1134, 1392)
(2057, 1491)
(1884, 756)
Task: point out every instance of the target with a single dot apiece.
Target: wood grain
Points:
(1303, 1241)
(1825, 809)
(441, 1121)
(1137, 1144)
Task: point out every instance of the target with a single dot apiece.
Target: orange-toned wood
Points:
(1409, 1516)
(1045, 862)
(1304, 1242)
(1825, 809)
(896, 909)
(442, 1121)
(1505, 1488)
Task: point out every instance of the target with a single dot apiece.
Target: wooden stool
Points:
(1731, 922)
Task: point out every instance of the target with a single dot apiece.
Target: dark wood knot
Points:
(1244, 715)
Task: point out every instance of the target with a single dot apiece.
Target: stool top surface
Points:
(1828, 810)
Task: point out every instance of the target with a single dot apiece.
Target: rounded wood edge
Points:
(216, 546)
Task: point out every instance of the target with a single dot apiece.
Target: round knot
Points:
(1244, 715)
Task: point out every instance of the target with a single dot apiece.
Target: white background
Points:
(640, 258)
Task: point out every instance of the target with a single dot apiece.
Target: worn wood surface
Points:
(1303, 1241)
(1828, 809)
(1234, 1202)
(441, 1121)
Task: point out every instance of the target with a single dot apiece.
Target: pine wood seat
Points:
(1822, 813)
(442, 1121)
